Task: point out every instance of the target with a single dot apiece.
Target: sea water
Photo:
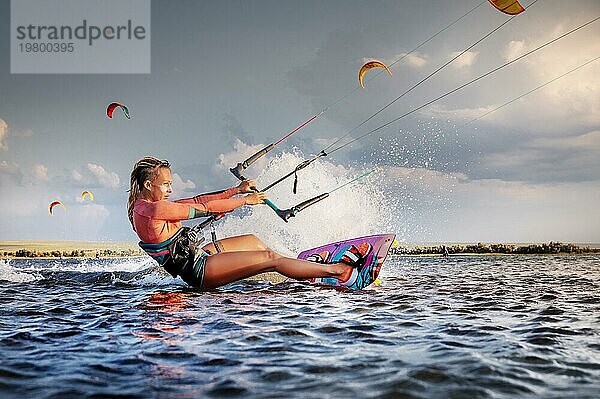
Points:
(462, 327)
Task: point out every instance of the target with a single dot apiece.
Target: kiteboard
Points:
(381, 244)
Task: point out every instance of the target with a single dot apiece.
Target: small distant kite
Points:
(53, 204)
(370, 65)
(111, 108)
(510, 7)
(87, 193)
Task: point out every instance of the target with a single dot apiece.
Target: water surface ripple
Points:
(476, 327)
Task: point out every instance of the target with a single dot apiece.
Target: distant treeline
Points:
(75, 253)
(480, 248)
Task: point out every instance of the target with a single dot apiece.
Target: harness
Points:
(175, 253)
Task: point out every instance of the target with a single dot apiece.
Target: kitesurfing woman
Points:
(157, 222)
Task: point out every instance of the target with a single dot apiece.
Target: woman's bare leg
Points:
(226, 267)
(246, 242)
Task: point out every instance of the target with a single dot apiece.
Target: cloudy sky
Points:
(229, 76)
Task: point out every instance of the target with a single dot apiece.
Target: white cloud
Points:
(460, 114)
(3, 134)
(8, 167)
(40, 172)
(75, 175)
(415, 60)
(323, 142)
(24, 205)
(241, 151)
(10, 174)
(179, 186)
(464, 61)
(430, 179)
(103, 177)
(514, 49)
(4, 130)
(571, 102)
(493, 210)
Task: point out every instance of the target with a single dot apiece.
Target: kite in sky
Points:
(511, 7)
(87, 193)
(370, 65)
(111, 108)
(53, 204)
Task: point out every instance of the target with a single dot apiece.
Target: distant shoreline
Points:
(83, 249)
(550, 248)
(68, 249)
(433, 255)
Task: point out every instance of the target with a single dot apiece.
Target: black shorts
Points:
(193, 272)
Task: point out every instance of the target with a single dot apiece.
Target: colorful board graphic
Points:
(381, 244)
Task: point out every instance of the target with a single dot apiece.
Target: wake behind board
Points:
(381, 244)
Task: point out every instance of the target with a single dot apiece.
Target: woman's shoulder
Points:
(142, 203)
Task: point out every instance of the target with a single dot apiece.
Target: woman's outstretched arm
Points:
(216, 195)
(167, 210)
